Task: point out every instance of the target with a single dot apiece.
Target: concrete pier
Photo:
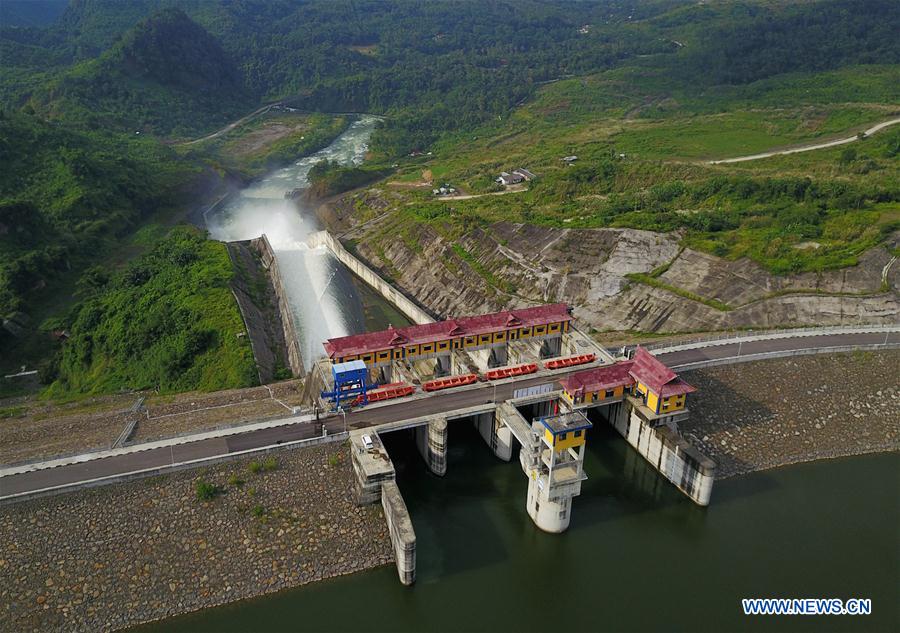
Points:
(375, 481)
(678, 461)
(431, 440)
(400, 527)
(372, 467)
(495, 433)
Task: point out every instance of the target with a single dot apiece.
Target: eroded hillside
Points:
(618, 279)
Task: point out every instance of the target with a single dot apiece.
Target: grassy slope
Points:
(664, 129)
(269, 141)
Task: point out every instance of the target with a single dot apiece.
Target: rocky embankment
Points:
(112, 557)
(753, 416)
(509, 265)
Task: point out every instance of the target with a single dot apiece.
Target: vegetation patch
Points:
(328, 178)
(656, 283)
(266, 465)
(167, 322)
(206, 491)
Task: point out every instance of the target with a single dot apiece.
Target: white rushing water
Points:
(316, 289)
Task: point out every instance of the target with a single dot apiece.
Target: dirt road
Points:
(806, 148)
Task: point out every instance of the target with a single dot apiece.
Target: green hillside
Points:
(168, 322)
(166, 75)
(66, 195)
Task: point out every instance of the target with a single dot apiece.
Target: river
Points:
(325, 298)
(637, 556)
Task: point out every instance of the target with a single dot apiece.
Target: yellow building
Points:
(660, 388)
(429, 339)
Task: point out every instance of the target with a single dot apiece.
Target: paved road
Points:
(684, 357)
(437, 404)
(807, 148)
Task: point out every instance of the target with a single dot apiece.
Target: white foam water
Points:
(307, 274)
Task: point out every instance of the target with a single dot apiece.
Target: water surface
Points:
(638, 555)
(324, 298)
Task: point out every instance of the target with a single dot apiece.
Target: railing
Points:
(781, 332)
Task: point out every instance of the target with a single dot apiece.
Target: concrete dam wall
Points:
(401, 301)
(291, 340)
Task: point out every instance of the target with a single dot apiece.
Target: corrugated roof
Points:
(443, 330)
(651, 371)
(599, 378)
(645, 368)
(676, 388)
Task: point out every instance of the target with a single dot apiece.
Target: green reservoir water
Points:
(638, 555)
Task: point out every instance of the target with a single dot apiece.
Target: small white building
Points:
(507, 179)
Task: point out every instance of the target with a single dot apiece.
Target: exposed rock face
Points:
(512, 265)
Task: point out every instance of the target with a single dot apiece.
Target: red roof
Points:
(443, 330)
(659, 378)
(676, 388)
(599, 378)
(644, 368)
(650, 371)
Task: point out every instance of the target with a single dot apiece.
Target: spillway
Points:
(323, 298)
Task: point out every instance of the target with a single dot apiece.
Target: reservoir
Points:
(638, 554)
(325, 298)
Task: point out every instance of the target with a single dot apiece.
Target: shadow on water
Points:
(456, 516)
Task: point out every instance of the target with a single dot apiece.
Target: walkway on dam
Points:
(98, 470)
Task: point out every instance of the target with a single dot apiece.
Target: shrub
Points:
(258, 511)
(206, 491)
(269, 463)
(235, 481)
(334, 460)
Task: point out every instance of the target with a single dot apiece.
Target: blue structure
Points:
(350, 379)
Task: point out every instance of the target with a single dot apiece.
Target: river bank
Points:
(111, 557)
(755, 416)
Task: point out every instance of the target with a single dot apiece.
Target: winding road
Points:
(807, 148)
(97, 469)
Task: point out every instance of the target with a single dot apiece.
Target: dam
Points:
(323, 297)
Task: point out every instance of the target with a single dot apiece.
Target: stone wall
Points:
(113, 557)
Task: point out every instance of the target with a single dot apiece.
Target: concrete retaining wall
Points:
(291, 340)
(403, 537)
(682, 464)
(401, 301)
(495, 433)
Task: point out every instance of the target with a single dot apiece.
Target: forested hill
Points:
(166, 75)
(433, 65)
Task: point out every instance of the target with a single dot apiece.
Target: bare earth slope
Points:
(506, 264)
